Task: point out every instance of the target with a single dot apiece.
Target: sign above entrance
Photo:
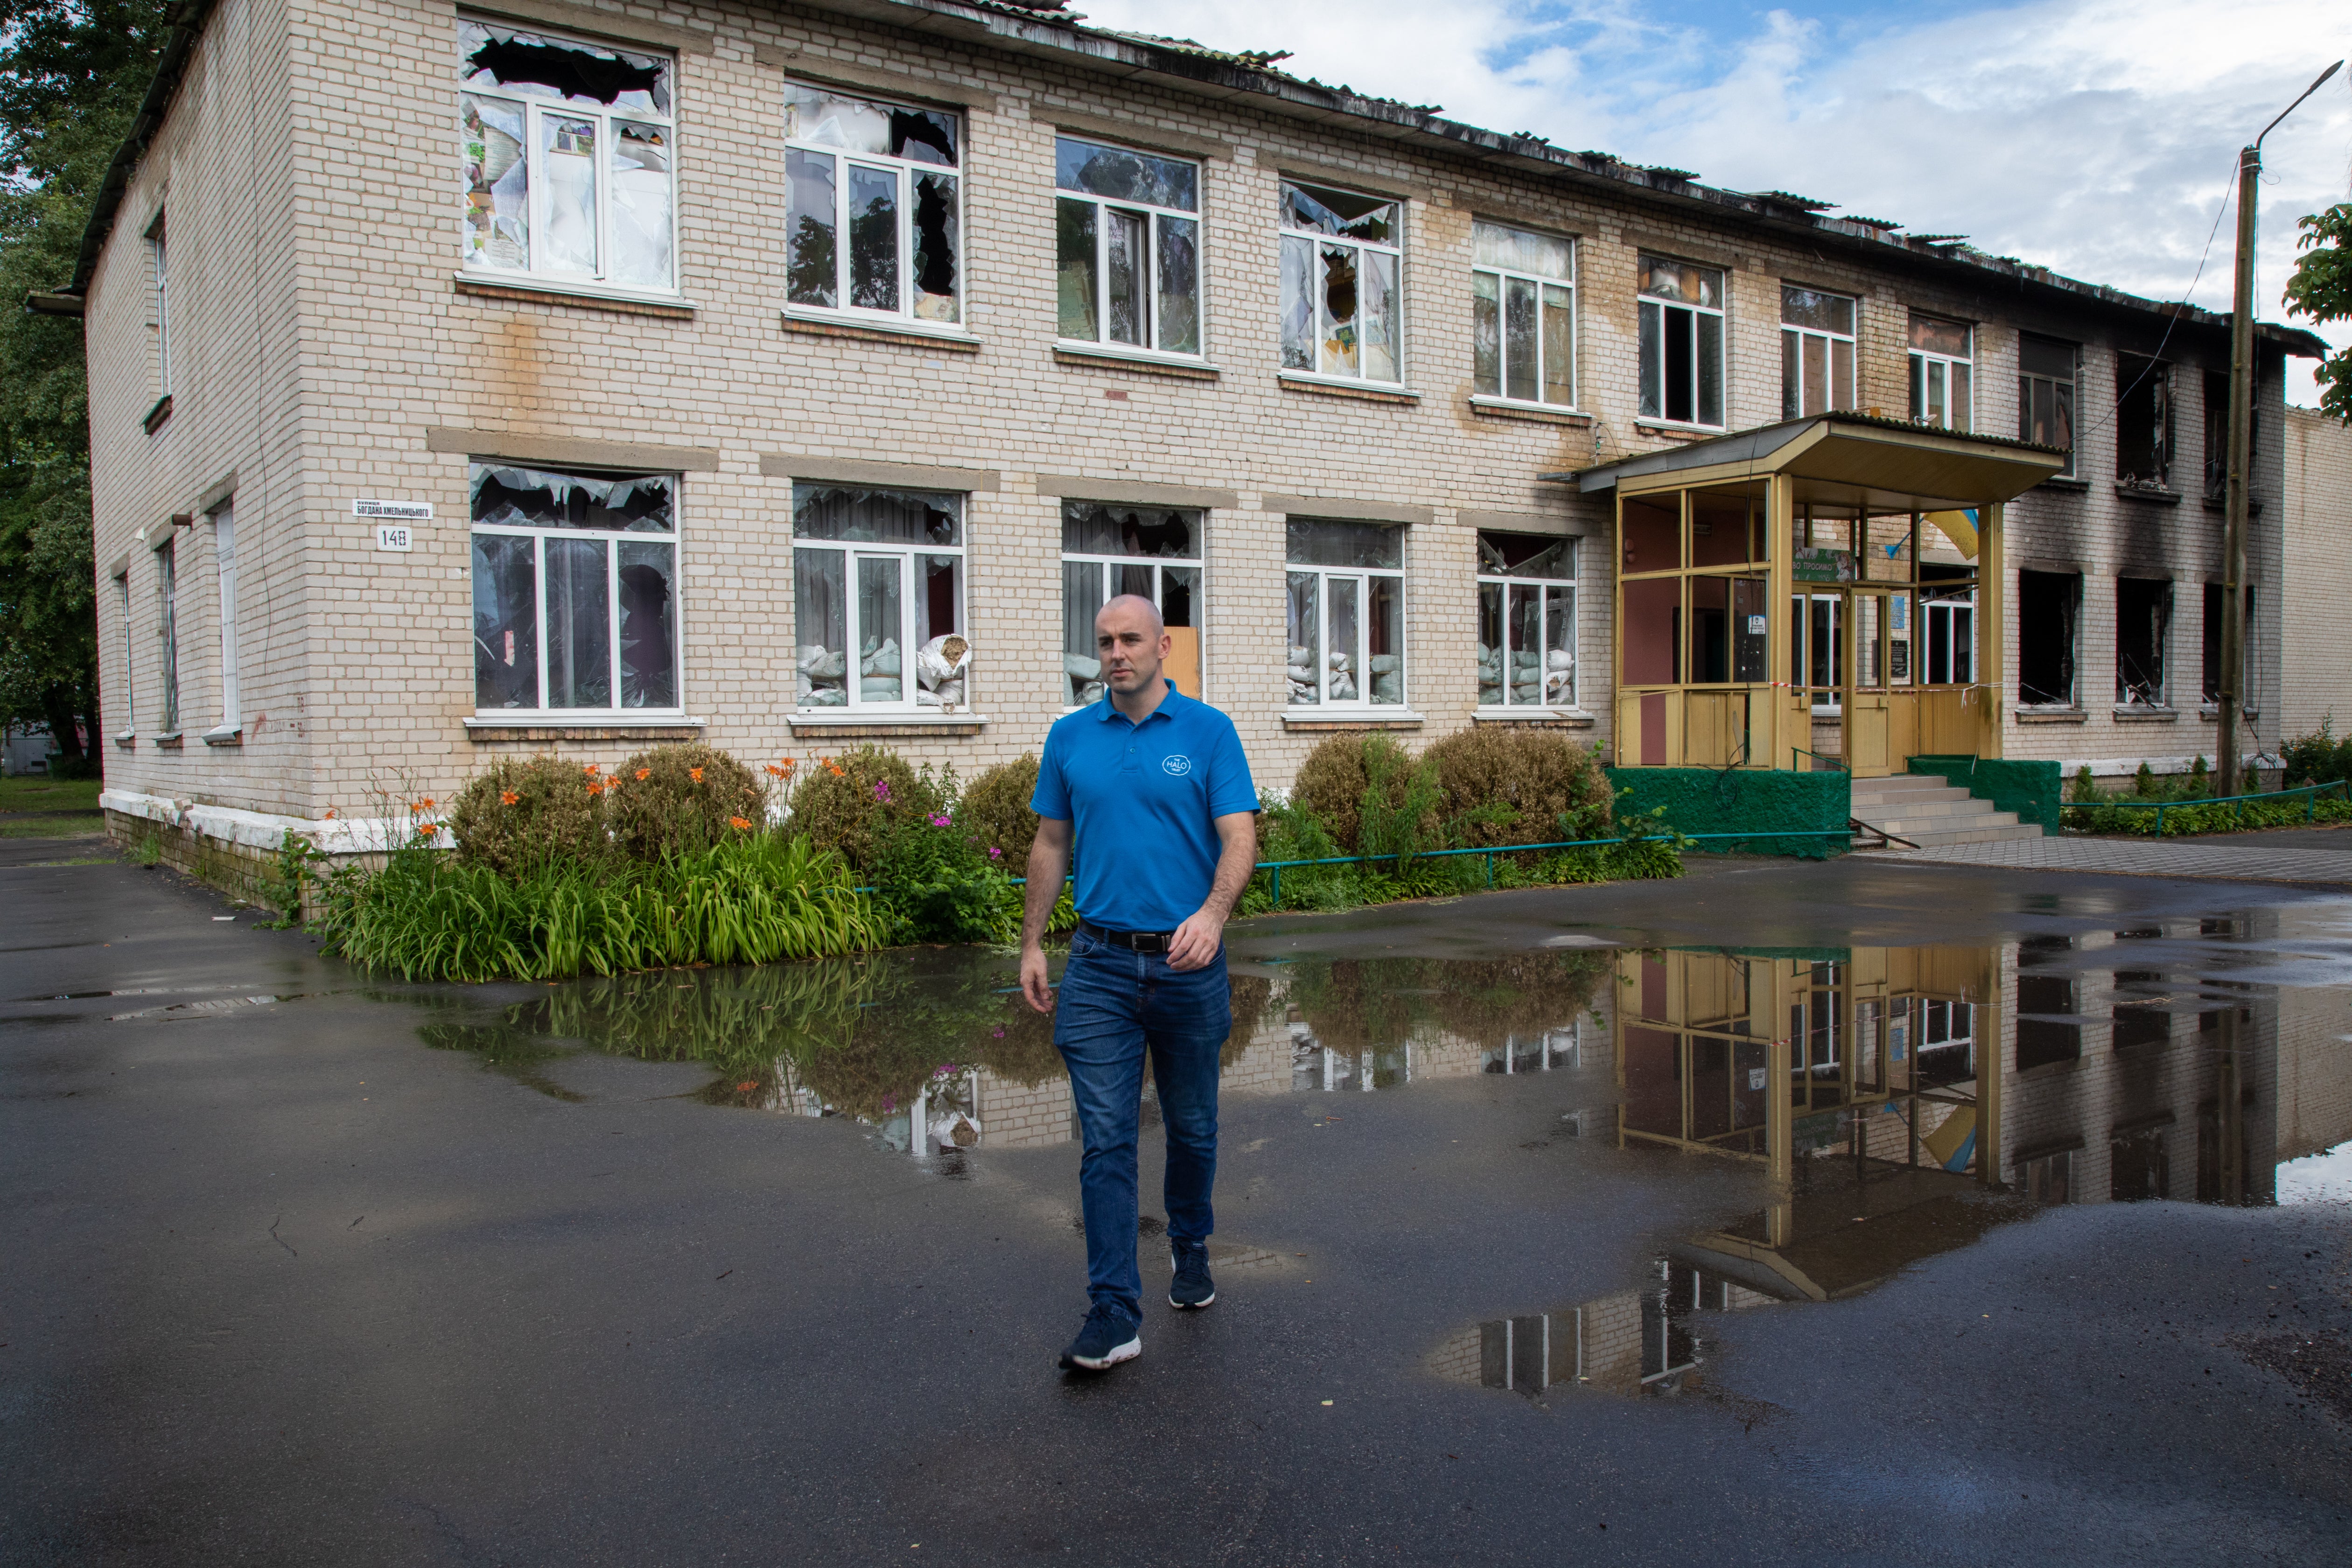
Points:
(1819, 564)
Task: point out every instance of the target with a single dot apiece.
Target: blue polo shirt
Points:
(1143, 798)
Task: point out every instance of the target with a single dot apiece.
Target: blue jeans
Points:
(1114, 1005)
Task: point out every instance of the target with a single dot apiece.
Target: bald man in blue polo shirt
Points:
(1154, 790)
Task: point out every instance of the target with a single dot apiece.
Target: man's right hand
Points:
(1033, 984)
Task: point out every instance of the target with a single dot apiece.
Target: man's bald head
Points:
(1125, 604)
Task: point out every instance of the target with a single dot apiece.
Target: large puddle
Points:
(1891, 1103)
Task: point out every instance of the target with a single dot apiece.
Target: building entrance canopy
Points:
(1824, 592)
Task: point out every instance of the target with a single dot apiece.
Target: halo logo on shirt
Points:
(1176, 763)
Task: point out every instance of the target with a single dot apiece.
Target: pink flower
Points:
(994, 853)
(939, 822)
(881, 789)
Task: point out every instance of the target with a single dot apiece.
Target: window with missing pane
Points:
(1816, 351)
(1526, 621)
(1126, 248)
(575, 590)
(1681, 325)
(1523, 315)
(1346, 617)
(1151, 552)
(1943, 366)
(2045, 394)
(570, 152)
(1342, 273)
(877, 598)
(873, 214)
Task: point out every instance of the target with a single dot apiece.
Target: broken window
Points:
(2137, 1165)
(2217, 435)
(160, 303)
(570, 159)
(167, 631)
(1681, 343)
(2143, 634)
(1346, 614)
(2144, 423)
(130, 655)
(1526, 621)
(1342, 261)
(878, 579)
(1112, 549)
(1127, 249)
(1816, 351)
(1943, 355)
(1523, 315)
(873, 223)
(2049, 1028)
(2046, 607)
(576, 590)
(2045, 394)
(2212, 650)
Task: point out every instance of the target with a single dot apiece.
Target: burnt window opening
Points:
(2139, 1024)
(2138, 1167)
(2047, 606)
(2045, 395)
(2213, 650)
(2144, 423)
(2048, 1030)
(2143, 632)
(2217, 435)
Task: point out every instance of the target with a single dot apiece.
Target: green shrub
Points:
(995, 811)
(939, 886)
(522, 812)
(2144, 782)
(1517, 785)
(2085, 786)
(852, 803)
(1333, 781)
(680, 799)
(2201, 779)
(2318, 757)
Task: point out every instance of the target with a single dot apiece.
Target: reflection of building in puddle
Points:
(1435, 1054)
(1901, 1102)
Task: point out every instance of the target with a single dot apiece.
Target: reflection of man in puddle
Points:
(1153, 788)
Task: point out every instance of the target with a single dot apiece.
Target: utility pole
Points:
(2242, 445)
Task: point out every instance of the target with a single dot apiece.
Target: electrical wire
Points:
(2229, 193)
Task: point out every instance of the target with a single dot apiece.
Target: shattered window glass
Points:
(1347, 612)
(582, 130)
(1526, 648)
(1109, 550)
(1942, 390)
(1341, 305)
(1127, 258)
(1681, 342)
(593, 559)
(878, 579)
(1816, 351)
(2045, 394)
(879, 174)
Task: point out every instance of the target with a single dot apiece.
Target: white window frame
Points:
(1942, 631)
(611, 537)
(1504, 277)
(130, 657)
(1153, 217)
(1318, 242)
(1796, 339)
(1929, 365)
(1652, 307)
(854, 632)
(534, 109)
(1362, 577)
(225, 565)
(158, 258)
(1103, 565)
(1549, 586)
(905, 171)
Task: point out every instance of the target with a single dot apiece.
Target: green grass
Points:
(53, 827)
(40, 793)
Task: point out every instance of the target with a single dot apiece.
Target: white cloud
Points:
(2096, 137)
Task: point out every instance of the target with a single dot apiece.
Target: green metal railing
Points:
(1837, 764)
(2309, 791)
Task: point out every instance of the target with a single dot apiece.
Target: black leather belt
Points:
(1133, 941)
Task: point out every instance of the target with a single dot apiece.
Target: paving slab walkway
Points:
(2267, 862)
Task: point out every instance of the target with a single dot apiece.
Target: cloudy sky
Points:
(2096, 137)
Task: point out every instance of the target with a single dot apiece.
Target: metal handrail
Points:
(2309, 791)
(1836, 763)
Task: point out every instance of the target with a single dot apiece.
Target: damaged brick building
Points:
(791, 376)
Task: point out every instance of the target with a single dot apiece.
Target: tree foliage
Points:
(71, 76)
(2321, 290)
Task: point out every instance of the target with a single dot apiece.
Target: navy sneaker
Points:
(1191, 1287)
(1108, 1338)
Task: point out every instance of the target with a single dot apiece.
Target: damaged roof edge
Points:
(1020, 29)
(183, 22)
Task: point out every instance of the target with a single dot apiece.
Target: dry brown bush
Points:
(676, 799)
(555, 813)
(1533, 775)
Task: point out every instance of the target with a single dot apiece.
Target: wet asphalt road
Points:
(281, 1285)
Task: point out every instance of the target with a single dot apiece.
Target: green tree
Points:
(2321, 290)
(72, 73)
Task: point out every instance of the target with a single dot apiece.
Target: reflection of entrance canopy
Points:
(1723, 662)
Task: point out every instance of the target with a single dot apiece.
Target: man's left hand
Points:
(1197, 942)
